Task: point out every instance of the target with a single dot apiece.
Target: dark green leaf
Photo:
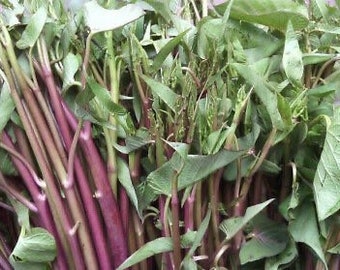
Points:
(231, 226)
(284, 258)
(304, 229)
(269, 238)
(191, 170)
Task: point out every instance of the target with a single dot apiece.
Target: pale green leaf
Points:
(7, 105)
(100, 19)
(33, 29)
(273, 13)
(335, 249)
(157, 246)
(126, 182)
(34, 246)
(326, 181)
(71, 64)
(292, 57)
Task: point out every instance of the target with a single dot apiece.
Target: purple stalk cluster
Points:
(67, 179)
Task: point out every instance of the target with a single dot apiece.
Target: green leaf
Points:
(323, 90)
(335, 249)
(33, 29)
(36, 246)
(6, 165)
(326, 181)
(231, 226)
(126, 182)
(157, 246)
(22, 212)
(316, 58)
(169, 97)
(71, 64)
(7, 105)
(132, 143)
(263, 91)
(273, 13)
(191, 170)
(199, 236)
(100, 19)
(284, 258)
(292, 57)
(269, 238)
(104, 97)
(166, 50)
(304, 229)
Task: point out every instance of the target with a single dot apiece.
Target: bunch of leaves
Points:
(207, 135)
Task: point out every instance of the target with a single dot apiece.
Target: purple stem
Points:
(40, 201)
(107, 202)
(124, 208)
(4, 264)
(86, 194)
(189, 211)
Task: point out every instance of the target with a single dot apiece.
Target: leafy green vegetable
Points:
(33, 29)
(326, 181)
(34, 250)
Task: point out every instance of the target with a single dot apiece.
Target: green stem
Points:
(175, 223)
(114, 91)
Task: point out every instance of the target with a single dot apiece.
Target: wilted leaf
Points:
(292, 57)
(326, 181)
(33, 29)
